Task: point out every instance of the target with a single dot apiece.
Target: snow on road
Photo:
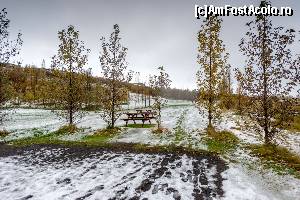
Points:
(59, 173)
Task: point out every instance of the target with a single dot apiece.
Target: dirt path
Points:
(56, 172)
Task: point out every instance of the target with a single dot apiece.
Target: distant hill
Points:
(28, 82)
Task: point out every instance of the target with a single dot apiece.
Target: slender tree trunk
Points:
(71, 107)
(113, 109)
(210, 85)
(70, 100)
(113, 90)
(265, 84)
(159, 117)
(113, 95)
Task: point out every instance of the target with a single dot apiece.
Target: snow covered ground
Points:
(242, 183)
(101, 175)
(108, 175)
(28, 122)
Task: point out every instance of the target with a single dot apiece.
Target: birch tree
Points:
(158, 83)
(68, 75)
(8, 51)
(267, 75)
(211, 58)
(113, 63)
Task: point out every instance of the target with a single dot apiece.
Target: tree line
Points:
(265, 84)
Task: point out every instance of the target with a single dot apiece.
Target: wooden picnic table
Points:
(140, 115)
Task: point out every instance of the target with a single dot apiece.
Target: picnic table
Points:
(141, 115)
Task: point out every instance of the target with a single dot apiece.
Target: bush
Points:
(4, 133)
(67, 129)
(108, 131)
(102, 135)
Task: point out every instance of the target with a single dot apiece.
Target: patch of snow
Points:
(244, 184)
(136, 135)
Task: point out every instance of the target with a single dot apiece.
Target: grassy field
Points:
(278, 158)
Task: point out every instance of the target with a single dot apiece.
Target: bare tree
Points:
(8, 50)
(68, 75)
(158, 83)
(114, 65)
(267, 75)
(212, 59)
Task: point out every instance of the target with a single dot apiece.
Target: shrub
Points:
(4, 133)
(102, 135)
(67, 129)
(108, 131)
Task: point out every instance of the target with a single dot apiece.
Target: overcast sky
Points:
(156, 32)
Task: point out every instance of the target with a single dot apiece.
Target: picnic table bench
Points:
(140, 115)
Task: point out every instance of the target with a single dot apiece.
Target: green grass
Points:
(180, 133)
(40, 138)
(280, 159)
(96, 138)
(220, 142)
(140, 125)
(101, 136)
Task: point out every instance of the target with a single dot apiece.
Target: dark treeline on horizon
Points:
(29, 84)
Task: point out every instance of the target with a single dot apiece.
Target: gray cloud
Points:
(155, 32)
